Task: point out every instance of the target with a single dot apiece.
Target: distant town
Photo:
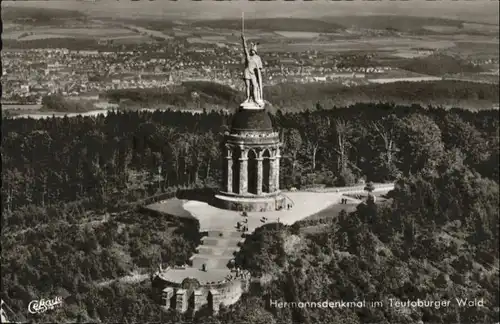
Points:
(83, 58)
(29, 75)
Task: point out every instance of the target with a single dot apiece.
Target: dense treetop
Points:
(293, 97)
(437, 236)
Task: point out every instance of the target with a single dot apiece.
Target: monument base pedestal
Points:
(251, 203)
(252, 105)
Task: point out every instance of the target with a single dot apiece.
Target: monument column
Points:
(260, 174)
(272, 173)
(243, 172)
(229, 180)
(277, 170)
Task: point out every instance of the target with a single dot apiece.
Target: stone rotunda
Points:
(252, 163)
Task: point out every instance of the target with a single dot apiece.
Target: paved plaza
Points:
(305, 204)
(221, 242)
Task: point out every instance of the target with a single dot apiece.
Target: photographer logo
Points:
(43, 305)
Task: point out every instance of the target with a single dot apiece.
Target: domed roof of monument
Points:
(252, 120)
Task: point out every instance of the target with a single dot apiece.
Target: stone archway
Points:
(266, 171)
(252, 172)
(190, 285)
(191, 301)
(210, 301)
(173, 301)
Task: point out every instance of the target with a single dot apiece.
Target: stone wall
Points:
(230, 292)
(354, 189)
(211, 295)
(258, 205)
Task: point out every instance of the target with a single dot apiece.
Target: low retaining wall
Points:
(378, 187)
(246, 204)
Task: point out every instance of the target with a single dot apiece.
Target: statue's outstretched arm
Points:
(245, 48)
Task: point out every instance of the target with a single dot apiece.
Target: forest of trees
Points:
(209, 95)
(74, 44)
(272, 24)
(70, 159)
(39, 15)
(293, 97)
(402, 23)
(61, 175)
(436, 240)
(446, 93)
(58, 103)
(439, 65)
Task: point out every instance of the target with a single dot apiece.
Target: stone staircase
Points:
(225, 234)
(210, 261)
(221, 241)
(217, 249)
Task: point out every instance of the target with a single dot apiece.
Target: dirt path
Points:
(133, 277)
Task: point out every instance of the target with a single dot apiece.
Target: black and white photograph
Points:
(253, 162)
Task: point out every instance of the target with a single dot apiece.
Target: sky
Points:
(475, 10)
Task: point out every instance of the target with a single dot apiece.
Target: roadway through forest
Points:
(137, 29)
(133, 277)
(93, 221)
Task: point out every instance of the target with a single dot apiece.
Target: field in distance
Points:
(397, 36)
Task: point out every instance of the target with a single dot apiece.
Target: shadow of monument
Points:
(206, 195)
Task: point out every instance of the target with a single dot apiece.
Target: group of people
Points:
(343, 201)
(281, 207)
(241, 227)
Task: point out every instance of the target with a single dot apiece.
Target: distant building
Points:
(88, 53)
(105, 105)
(288, 61)
(320, 79)
(90, 96)
(341, 75)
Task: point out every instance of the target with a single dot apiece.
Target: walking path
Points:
(101, 219)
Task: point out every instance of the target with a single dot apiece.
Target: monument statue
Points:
(252, 74)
